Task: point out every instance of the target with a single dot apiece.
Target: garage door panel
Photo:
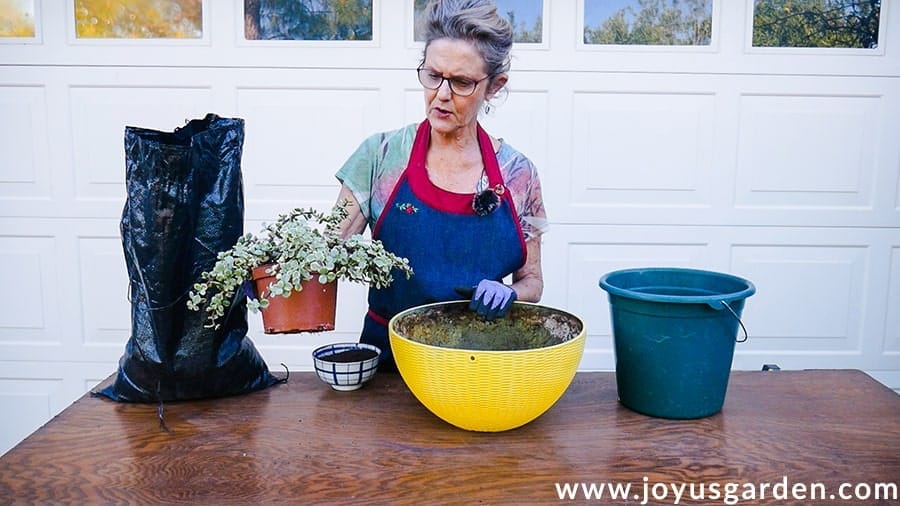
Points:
(69, 300)
(24, 164)
(297, 138)
(105, 307)
(644, 149)
(812, 150)
(891, 166)
(99, 116)
(891, 342)
(28, 273)
(823, 285)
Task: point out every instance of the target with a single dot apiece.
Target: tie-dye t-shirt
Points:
(374, 168)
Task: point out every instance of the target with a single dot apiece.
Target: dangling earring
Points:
(487, 107)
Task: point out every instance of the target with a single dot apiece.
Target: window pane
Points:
(525, 16)
(308, 19)
(139, 19)
(816, 23)
(17, 18)
(648, 22)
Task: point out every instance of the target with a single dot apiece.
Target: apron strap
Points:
(495, 179)
(416, 162)
(489, 158)
(377, 318)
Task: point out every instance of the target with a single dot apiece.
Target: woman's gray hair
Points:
(476, 21)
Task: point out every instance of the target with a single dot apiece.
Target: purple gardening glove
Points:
(492, 299)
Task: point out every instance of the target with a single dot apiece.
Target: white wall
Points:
(779, 166)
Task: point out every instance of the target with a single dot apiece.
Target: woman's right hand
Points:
(356, 222)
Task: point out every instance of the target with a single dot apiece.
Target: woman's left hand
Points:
(492, 299)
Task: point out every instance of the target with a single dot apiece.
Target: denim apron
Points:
(447, 244)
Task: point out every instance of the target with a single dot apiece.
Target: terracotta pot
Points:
(309, 310)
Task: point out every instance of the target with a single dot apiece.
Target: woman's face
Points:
(452, 58)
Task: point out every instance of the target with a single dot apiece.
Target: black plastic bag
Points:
(185, 204)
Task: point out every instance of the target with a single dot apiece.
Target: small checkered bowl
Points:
(346, 366)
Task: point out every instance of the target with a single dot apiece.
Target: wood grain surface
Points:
(303, 443)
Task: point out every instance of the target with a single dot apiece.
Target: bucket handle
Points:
(736, 317)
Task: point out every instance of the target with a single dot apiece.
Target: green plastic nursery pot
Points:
(674, 332)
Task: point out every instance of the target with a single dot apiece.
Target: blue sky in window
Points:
(526, 10)
(596, 11)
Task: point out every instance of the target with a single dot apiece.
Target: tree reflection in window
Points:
(525, 16)
(648, 22)
(816, 23)
(308, 19)
(17, 18)
(139, 19)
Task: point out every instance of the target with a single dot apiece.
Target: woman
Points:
(465, 208)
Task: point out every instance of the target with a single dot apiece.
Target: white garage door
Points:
(776, 164)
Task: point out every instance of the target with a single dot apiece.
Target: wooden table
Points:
(302, 443)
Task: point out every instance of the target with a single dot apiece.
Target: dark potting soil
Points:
(345, 356)
(454, 325)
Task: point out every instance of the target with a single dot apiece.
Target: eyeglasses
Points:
(460, 86)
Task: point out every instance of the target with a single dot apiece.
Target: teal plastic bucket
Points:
(674, 332)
